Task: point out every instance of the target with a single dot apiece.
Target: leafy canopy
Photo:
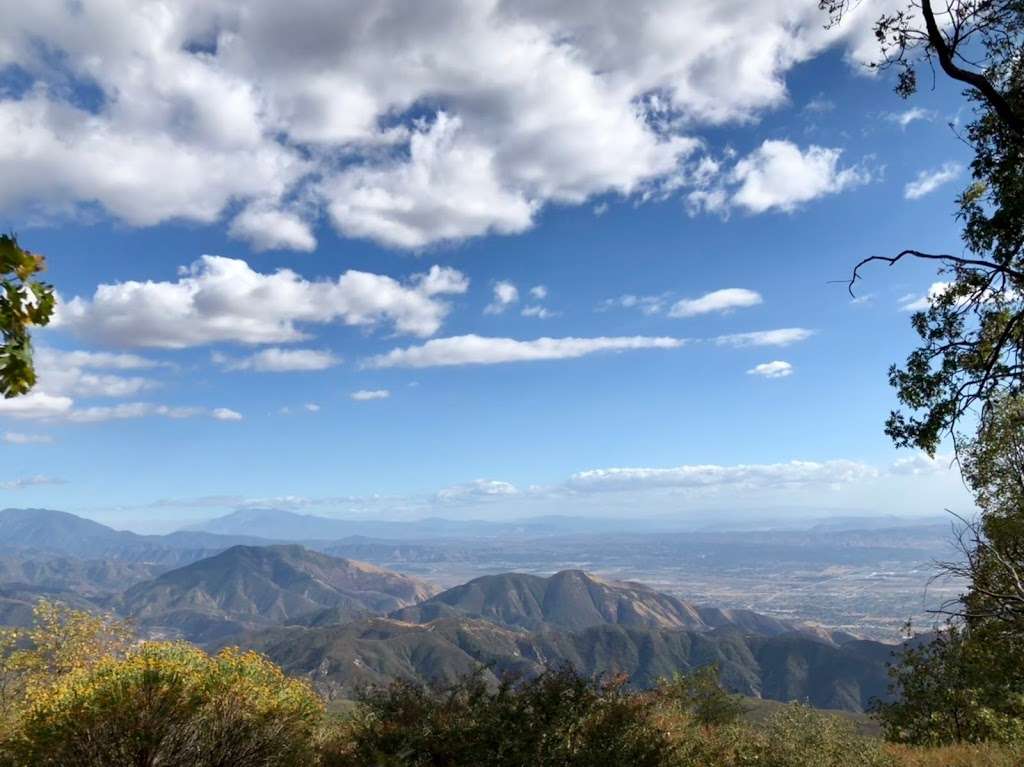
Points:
(24, 302)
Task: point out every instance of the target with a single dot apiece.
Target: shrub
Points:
(172, 705)
(798, 736)
(60, 641)
(555, 719)
(795, 736)
(700, 694)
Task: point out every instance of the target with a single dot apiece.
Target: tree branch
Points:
(979, 82)
(943, 257)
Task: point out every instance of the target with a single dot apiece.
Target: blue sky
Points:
(611, 185)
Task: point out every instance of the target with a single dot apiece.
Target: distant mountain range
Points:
(277, 524)
(45, 532)
(55, 533)
(343, 623)
(287, 525)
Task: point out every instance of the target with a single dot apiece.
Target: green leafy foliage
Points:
(993, 549)
(24, 302)
(556, 718)
(702, 697)
(561, 719)
(960, 687)
(967, 683)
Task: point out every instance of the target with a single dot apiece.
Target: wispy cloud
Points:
(476, 491)
(775, 369)
(820, 104)
(537, 311)
(33, 481)
(19, 438)
(907, 116)
(779, 337)
(480, 350)
(706, 475)
(39, 406)
(276, 360)
(650, 305)
(366, 395)
(928, 181)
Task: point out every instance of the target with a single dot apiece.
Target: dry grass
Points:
(958, 756)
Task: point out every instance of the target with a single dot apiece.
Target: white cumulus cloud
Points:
(406, 123)
(267, 227)
(224, 299)
(921, 464)
(779, 175)
(35, 405)
(505, 294)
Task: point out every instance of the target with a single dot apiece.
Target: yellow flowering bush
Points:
(60, 641)
(173, 705)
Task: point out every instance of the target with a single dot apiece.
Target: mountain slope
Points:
(341, 659)
(247, 586)
(17, 602)
(573, 600)
(86, 577)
